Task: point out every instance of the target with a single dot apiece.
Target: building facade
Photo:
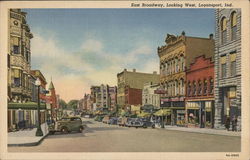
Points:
(22, 92)
(228, 66)
(200, 93)
(175, 57)
(132, 82)
(148, 95)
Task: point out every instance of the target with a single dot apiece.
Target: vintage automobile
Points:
(105, 119)
(99, 118)
(66, 125)
(113, 120)
(122, 121)
(140, 122)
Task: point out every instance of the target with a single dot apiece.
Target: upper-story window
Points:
(182, 64)
(194, 88)
(223, 66)
(199, 87)
(223, 30)
(205, 87)
(233, 25)
(189, 88)
(233, 64)
(16, 45)
(176, 65)
(211, 86)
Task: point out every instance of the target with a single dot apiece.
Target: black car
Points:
(140, 122)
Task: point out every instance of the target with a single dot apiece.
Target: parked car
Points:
(99, 118)
(66, 125)
(113, 120)
(140, 122)
(122, 121)
(105, 119)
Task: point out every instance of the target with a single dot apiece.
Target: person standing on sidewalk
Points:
(234, 124)
(227, 124)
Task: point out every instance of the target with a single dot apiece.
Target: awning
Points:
(163, 112)
(177, 107)
(26, 106)
(144, 114)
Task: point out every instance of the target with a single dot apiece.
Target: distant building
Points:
(148, 95)
(53, 100)
(103, 96)
(175, 58)
(130, 85)
(227, 66)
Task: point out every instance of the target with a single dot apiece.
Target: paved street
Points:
(99, 137)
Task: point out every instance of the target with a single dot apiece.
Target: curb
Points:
(29, 144)
(200, 132)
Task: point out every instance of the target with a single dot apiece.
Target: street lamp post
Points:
(39, 131)
(162, 122)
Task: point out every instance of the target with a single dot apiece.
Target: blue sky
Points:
(83, 47)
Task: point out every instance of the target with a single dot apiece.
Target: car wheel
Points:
(80, 129)
(153, 126)
(52, 132)
(136, 127)
(64, 130)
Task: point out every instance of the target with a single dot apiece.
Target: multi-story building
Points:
(200, 93)
(130, 85)
(96, 96)
(19, 57)
(175, 57)
(149, 97)
(103, 97)
(227, 66)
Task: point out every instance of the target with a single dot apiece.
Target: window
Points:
(176, 88)
(16, 49)
(17, 82)
(205, 87)
(182, 64)
(199, 88)
(176, 66)
(211, 86)
(189, 88)
(194, 88)
(233, 64)
(223, 30)
(223, 66)
(233, 26)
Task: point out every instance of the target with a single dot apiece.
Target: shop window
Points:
(223, 30)
(233, 26)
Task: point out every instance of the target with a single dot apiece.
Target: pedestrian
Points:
(227, 124)
(234, 124)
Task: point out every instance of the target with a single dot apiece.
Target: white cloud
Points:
(81, 74)
(92, 45)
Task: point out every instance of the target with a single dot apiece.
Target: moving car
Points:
(66, 125)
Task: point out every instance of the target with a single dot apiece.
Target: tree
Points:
(73, 104)
(62, 104)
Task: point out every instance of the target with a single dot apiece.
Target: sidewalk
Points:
(27, 137)
(203, 130)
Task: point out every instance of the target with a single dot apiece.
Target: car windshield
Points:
(65, 119)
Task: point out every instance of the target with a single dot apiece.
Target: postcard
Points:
(124, 80)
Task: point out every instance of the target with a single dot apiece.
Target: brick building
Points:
(200, 93)
(175, 57)
(130, 85)
(228, 66)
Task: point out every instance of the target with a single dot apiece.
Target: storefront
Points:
(24, 115)
(200, 113)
